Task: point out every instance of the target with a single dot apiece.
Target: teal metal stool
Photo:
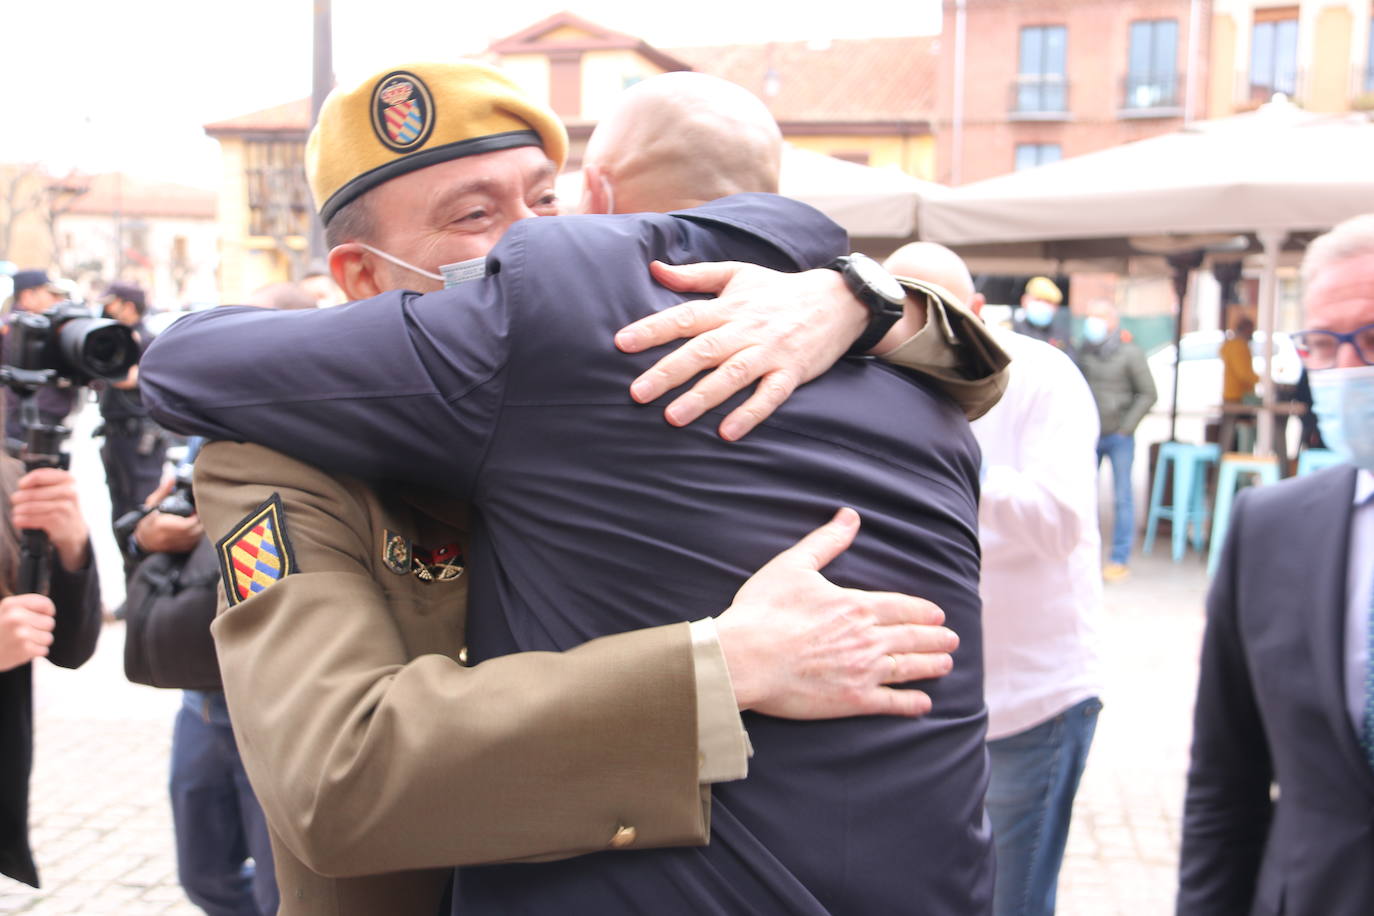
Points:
(1233, 464)
(1189, 505)
(1314, 459)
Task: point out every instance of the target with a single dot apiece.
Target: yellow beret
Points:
(410, 117)
(1044, 288)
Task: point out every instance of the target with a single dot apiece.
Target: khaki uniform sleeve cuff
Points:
(955, 350)
(722, 743)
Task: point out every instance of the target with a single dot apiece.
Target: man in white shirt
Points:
(1281, 786)
(1041, 589)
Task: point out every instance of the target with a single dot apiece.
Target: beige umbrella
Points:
(1271, 174)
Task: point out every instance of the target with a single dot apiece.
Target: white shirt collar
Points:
(1364, 486)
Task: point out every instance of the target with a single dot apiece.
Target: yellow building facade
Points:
(1316, 52)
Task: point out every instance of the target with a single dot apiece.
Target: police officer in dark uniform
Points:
(133, 450)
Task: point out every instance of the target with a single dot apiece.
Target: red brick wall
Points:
(1097, 48)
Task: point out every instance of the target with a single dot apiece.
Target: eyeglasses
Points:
(1319, 349)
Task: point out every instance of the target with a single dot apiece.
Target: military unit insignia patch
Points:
(396, 553)
(442, 564)
(257, 553)
(402, 111)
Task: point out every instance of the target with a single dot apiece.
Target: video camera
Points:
(63, 343)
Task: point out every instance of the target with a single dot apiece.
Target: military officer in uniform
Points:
(359, 590)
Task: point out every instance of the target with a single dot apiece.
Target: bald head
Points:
(938, 265)
(677, 140)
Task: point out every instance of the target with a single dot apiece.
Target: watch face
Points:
(876, 276)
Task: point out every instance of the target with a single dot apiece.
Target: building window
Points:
(1274, 53)
(1369, 62)
(278, 196)
(1151, 70)
(1029, 155)
(1041, 84)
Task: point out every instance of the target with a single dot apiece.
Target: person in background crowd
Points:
(1120, 381)
(284, 296)
(321, 288)
(1041, 592)
(1238, 380)
(134, 445)
(34, 292)
(62, 626)
(1043, 315)
(1276, 817)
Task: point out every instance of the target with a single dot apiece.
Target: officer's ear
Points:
(354, 270)
(595, 190)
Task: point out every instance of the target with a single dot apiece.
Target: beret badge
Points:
(402, 111)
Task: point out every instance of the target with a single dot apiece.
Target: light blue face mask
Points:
(1039, 313)
(1094, 329)
(1343, 401)
(449, 274)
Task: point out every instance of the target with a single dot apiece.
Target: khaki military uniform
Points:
(375, 752)
(380, 759)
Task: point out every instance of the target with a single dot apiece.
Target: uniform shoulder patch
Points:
(257, 553)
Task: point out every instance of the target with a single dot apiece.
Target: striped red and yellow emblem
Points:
(257, 553)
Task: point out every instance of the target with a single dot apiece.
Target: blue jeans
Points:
(1030, 801)
(218, 821)
(1121, 449)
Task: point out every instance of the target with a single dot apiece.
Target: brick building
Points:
(1025, 82)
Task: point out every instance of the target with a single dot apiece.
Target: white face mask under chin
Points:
(449, 274)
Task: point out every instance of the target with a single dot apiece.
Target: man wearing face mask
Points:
(1121, 384)
(1042, 314)
(1277, 812)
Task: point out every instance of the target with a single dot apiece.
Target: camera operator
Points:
(62, 626)
(172, 597)
(34, 293)
(134, 445)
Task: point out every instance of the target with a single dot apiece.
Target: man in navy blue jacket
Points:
(595, 517)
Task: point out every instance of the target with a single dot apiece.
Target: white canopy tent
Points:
(1277, 174)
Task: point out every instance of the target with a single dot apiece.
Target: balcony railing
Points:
(1040, 96)
(1143, 92)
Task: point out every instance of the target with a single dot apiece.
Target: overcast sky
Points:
(104, 85)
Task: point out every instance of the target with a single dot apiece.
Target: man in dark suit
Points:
(1281, 787)
(596, 517)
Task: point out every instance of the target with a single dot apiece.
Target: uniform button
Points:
(624, 836)
(463, 655)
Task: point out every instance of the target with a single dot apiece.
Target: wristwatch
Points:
(872, 285)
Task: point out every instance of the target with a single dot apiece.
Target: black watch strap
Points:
(884, 307)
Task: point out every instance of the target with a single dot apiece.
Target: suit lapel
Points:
(1327, 530)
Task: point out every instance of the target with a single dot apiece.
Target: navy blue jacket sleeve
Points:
(363, 388)
(1227, 807)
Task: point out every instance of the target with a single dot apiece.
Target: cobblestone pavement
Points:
(103, 837)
